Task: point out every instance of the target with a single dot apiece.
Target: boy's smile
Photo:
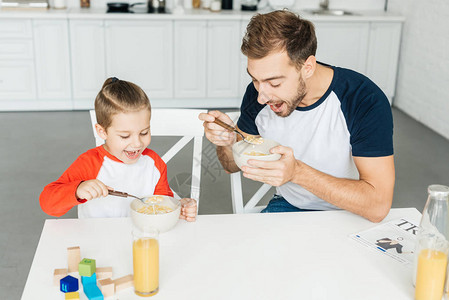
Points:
(128, 136)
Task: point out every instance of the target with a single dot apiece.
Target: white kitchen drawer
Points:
(15, 29)
(16, 49)
(17, 80)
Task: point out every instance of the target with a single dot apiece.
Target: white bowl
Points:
(242, 150)
(162, 222)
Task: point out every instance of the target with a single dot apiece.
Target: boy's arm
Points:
(59, 197)
(162, 187)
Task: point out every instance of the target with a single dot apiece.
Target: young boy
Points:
(123, 163)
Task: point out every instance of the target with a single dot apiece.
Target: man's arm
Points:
(226, 158)
(370, 196)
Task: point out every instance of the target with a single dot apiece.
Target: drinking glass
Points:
(146, 262)
(432, 245)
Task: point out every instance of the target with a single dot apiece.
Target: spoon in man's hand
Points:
(250, 139)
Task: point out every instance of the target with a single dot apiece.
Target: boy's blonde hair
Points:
(118, 96)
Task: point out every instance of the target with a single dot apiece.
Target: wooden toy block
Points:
(123, 282)
(87, 267)
(73, 258)
(58, 274)
(69, 284)
(107, 287)
(92, 292)
(103, 273)
(85, 280)
(72, 296)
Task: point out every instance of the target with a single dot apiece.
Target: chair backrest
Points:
(175, 122)
(238, 205)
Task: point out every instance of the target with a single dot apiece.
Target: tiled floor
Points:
(37, 146)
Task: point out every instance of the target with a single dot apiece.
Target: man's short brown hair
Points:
(277, 31)
(118, 96)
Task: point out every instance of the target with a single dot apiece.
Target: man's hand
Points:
(215, 133)
(275, 173)
(91, 189)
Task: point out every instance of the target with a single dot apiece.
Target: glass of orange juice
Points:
(432, 245)
(146, 262)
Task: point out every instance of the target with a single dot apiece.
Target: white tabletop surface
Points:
(253, 256)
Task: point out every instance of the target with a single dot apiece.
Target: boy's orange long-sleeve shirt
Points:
(148, 176)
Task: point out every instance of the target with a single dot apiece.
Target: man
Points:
(335, 125)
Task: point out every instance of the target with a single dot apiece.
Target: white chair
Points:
(236, 188)
(175, 122)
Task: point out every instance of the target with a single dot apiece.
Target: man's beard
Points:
(300, 94)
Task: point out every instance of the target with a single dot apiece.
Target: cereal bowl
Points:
(243, 151)
(161, 214)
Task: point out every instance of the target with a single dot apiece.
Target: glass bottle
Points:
(430, 264)
(85, 3)
(196, 3)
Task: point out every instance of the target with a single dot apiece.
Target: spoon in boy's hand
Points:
(250, 139)
(123, 194)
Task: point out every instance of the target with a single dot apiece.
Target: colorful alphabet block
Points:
(124, 282)
(73, 258)
(87, 267)
(107, 287)
(69, 284)
(92, 292)
(104, 272)
(72, 296)
(58, 274)
(85, 280)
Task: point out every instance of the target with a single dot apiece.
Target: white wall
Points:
(423, 78)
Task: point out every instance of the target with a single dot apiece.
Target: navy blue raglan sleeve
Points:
(368, 116)
(249, 110)
(370, 121)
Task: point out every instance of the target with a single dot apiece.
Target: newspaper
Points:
(395, 239)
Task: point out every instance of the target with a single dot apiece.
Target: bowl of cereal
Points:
(159, 212)
(244, 150)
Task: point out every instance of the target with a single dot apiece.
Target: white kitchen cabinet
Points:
(51, 45)
(60, 61)
(17, 72)
(343, 44)
(12, 28)
(223, 60)
(141, 52)
(190, 59)
(20, 49)
(88, 60)
(383, 55)
(17, 82)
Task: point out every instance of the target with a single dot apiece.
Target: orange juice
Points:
(430, 275)
(146, 266)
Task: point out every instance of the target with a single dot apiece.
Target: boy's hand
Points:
(188, 209)
(91, 189)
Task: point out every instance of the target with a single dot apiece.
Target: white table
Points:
(252, 256)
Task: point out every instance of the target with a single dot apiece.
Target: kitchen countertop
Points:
(188, 14)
